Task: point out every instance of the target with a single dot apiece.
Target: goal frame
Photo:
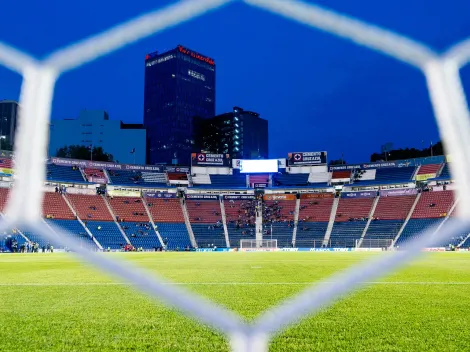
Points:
(375, 243)
(265, 245)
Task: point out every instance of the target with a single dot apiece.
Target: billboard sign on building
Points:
(159, 195)
(316, 195)
(378, 165)
(366, 194)
(424, 177)
(307, 158)
(398, 192)
(279, 197)
(239, 197)
(202, 196)
(104, 165)
(206, 159)
(123, 193)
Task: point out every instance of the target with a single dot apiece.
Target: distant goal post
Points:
(252, 245)
(384, 243)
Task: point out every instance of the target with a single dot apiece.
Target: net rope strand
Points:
(24, 205)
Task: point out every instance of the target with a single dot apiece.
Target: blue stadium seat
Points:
(64, 173)
(310, 234)
(207, 236)
(235, 235)
(415, 226)
(109, 234)
(5, 238)
(381, 230)
(345, 234)
(282, 233)
(445, 174)
(141, 236)
(176, 233)
(390, 175)
(280, 180)
(75, 229)
(133, 178)
(227, 181)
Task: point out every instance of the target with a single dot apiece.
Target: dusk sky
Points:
(317, 91)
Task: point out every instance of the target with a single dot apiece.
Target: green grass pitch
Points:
(51, 302)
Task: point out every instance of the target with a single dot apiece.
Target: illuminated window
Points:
(159, 60)
(197, 75)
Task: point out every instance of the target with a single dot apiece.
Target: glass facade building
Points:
(8, 120)
(179, 85)
(240, 133)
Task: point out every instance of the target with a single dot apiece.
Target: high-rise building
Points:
(179, 84)
(8, 117)
(240, 133)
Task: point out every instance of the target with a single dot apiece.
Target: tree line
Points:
(400, 154)
(84, 153)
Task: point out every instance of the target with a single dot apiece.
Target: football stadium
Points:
(187, 232)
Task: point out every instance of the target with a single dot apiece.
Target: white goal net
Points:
(39, 78)
(384, 243)
(258, 245)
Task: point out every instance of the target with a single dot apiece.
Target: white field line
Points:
(444, 283)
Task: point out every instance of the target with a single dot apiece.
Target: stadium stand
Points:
(350, 221)
(314, 215)
(107, 233)
(206, 222)
(366, 175)
(130, 209)
(431, 210)
(177, 176)
(381, 230)
(284, 179)
(389, 216)
(64, 173)
(93, 174)
(466, 243)
(433, 205)
(311, 234)
(428, 169)
(201, 179)
(341, 176)
(227, 181)
(240, 215)
(390, 176)
(444, 175)
(279, 216)
(157, 178)
(6, 163)
(319, 177)
(55, 207)
(393, 207)
(90, 207)
(169, 219)
(3, 198)
(258, 179)
(75, 229)
(134, 178)
(141, 234)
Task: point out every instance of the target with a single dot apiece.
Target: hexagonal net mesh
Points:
(24, 206)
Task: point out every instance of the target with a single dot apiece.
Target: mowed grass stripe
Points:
(54, 303)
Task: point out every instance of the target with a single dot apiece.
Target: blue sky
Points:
(317, 91)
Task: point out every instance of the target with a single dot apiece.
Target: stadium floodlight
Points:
(39, 78)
